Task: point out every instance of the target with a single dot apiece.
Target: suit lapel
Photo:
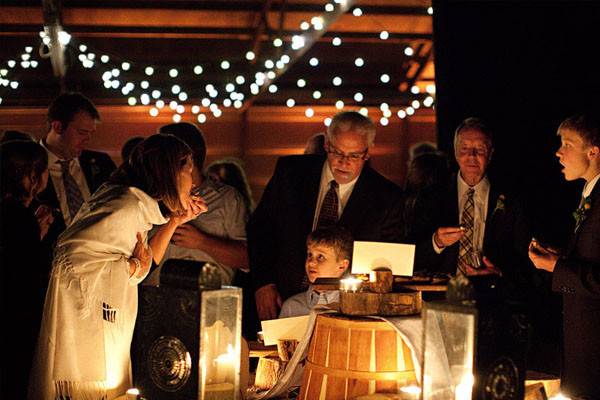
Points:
(491, 209)
(310, 193)
(595, 196)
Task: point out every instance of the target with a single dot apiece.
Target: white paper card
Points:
(284, 328)
(398, 257)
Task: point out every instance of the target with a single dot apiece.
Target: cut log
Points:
(268, 372)
(381, 280)
(286, 348)
(359, 303)
(403, 303)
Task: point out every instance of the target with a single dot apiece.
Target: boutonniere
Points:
(581, 213)
(500, 203)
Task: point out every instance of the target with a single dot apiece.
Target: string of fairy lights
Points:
(171, 95)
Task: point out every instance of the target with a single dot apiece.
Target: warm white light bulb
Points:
(337, 81)
(409, 51)
(201, 118)
(272, 88)
(176, 118)
(173, 73)
(125, 66)
(277, 42)
(309, 112)
(336, 41)
(225, 64)
(358, 97)
(384, 121)
(385, 78)
(183, 96)
(250, 55)
(290, 103)
(198, 69)
(301, 83)
(357, 12)
(415, 90)
(316, 95)
(240, 80)
(327, 121)
(384, 35)
(149, 71)
(314, 61)
(415, 104)
(153, 111)
(359, 62)
(339, 104)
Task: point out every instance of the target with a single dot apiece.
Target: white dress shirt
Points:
(343, 192)
(480, 200)
(55, 172)
(589, 186)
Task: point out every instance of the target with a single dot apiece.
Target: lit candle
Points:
(464, 388)
(225, 366)
(132, 394)
(411, 392)
(350, 284)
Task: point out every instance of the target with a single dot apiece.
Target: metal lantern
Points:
(474, 343)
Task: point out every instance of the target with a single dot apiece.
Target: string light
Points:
(290, 103)
(250, 55)
(336, 41)
(301, 83)
(385, 78)
(198, 69)
(384, 35)
(359, 62)
(314, 62)
(309, 112)
(339, 104)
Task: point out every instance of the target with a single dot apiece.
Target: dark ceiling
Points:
(181, 35)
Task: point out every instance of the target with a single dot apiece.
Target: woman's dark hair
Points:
(154, 166)
(230, 172)
(19, 159)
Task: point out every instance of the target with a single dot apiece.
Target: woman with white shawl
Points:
(91, 302)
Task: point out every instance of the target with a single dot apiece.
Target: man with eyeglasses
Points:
(310, 191)
(474, 227)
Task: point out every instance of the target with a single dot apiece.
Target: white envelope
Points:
(284, 328)
(398, 257)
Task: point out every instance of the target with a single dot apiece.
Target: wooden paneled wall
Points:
(258, 137)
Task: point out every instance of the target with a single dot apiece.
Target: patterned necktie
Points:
(329, 209)
(74, 196)
(466, 241)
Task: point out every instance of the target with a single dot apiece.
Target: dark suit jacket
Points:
(97, 168)
(283, 219)
(577, 277)
(505, 239)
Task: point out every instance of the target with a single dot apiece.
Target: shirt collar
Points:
(482, 186)
(53, 159)
(589, 186)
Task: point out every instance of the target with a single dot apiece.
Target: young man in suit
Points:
(310, 191)
(576, 273)
(75, 173)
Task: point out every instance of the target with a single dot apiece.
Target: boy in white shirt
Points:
(328, 256)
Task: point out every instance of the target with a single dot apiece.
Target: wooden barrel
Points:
(350, 356)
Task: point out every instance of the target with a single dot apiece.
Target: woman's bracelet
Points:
(138, 266)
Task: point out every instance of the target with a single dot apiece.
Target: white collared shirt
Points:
(589, 186)
(480, 200)
(343, 192)
(55, 172)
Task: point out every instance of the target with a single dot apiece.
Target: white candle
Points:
(464, 388)
(225, 366)
(132, 394)
(411, 392)
(350, 284)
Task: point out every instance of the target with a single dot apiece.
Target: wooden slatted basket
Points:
(349, 357)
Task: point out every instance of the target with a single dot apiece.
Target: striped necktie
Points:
(466, 241)
(74, 196)
(328, 215)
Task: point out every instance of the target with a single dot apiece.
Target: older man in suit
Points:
(74, 171)
(310, 191)
(576, 273)
(471, 225)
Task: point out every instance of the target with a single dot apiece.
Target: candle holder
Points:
(350, 285)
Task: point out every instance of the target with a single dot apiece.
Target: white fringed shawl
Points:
(91, 303)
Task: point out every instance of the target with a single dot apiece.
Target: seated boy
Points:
(327, 256)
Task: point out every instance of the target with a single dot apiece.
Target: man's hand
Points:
(542, 257)
(188, 236)
(488, 269)
(44, 217)
(268, 302)
(447, 236)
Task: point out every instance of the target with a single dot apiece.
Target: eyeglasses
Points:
(352, 157)
(467, 151)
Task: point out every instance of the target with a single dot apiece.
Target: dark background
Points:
(523, 67)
